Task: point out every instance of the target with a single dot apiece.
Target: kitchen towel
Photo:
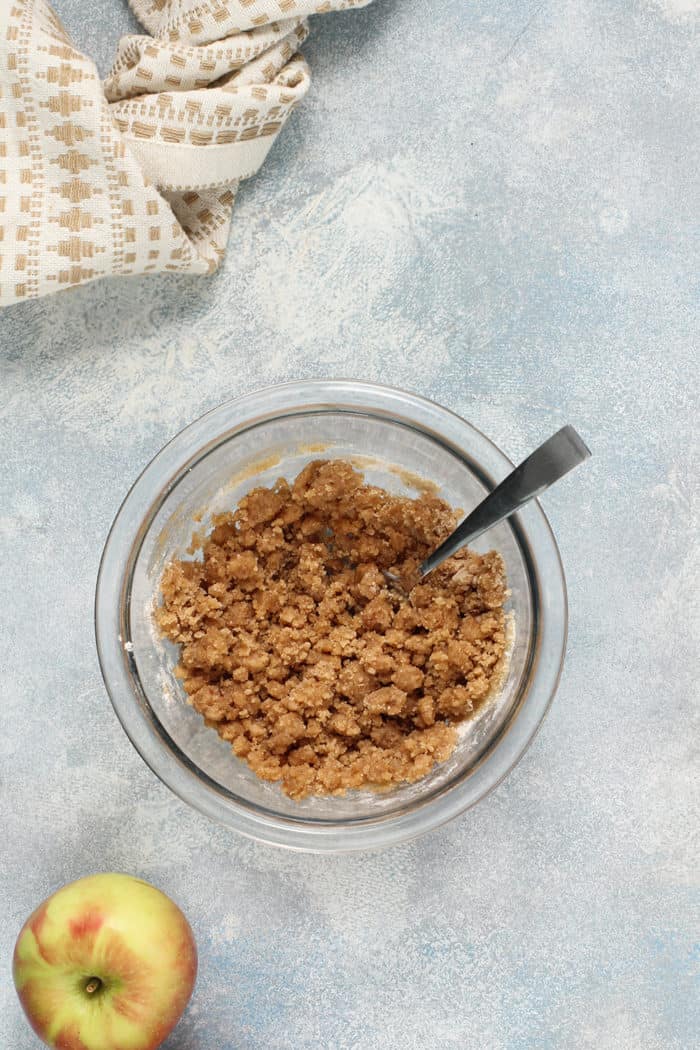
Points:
(138, 174)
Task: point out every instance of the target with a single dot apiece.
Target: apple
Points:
(106, 963)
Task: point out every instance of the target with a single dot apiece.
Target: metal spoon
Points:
(551, 461)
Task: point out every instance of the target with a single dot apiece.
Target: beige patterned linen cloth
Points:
(138, 174)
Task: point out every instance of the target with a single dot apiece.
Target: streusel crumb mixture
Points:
(296, 651)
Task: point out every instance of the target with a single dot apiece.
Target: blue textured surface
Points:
(503, 216)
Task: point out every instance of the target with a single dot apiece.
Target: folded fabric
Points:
(138, 174)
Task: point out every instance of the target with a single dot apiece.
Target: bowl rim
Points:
(118, 667)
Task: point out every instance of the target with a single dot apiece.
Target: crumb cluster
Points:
(294, 648)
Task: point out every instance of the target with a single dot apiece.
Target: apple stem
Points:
(93, 985)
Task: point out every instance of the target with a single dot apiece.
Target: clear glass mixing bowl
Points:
(207, 468)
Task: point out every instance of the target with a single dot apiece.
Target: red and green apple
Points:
(106, 963)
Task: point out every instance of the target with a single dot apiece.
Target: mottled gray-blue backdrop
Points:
(502, 214)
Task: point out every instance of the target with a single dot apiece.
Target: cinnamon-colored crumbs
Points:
(296, 651)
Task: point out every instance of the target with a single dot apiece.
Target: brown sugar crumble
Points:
(296, 651)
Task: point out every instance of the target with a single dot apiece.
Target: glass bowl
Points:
(399, 438)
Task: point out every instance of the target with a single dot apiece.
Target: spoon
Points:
(551, 461)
